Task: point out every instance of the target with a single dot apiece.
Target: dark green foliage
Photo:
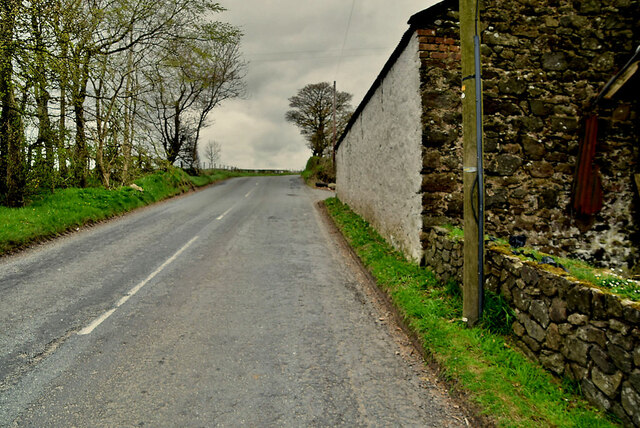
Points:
(319, 169)
(497, 315)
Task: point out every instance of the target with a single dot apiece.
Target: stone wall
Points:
(440, 89)
(573, 329)
(544, 63)
(379, 157)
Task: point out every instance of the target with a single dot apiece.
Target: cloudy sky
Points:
(291, 43)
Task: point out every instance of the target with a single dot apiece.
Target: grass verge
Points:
(51, 214)
(507, 387)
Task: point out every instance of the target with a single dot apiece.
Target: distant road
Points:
(232, 306)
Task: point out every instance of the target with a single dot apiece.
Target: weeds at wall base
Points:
(510, 389)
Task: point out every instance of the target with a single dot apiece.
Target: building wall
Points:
(543, 64)
(380, 158)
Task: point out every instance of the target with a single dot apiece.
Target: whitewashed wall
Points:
(380, 159)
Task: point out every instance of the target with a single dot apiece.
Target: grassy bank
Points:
(51, 214)
(319, 169)
(481, 363)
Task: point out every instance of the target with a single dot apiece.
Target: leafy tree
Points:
(312, 112)
(79, 78)
(193, 77)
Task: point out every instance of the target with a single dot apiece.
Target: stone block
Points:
(631, 312)
(614, 307)
(565, 329)
(577, 371)
(532, 344)
(504, 165)
(439, 182)
(539, 108)
(541, 169)
(576, 350)
(590, 334)
(599, 305)
(558, 311)
(553, 338)
(553, 361)
(602, 360)
(512, 85)
(506, 292)
(578, 319)
(564, 124)
(607, 383)
(520, 299)
(634, 379)
(595, 396)
(636, 356)
(548, 286)
(630, 399)
(619, 326)
(621, 358)
(579, 300)
(529, 275)
(554, 61)
(540, 312)
(533, 328)
(618, 339)
(619, 411)
(518, 329)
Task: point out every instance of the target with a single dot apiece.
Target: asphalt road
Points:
(231, 306)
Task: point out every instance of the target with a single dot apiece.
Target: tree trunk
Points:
(11, 128)
(78, 97)
(127, 138)
(45, 132)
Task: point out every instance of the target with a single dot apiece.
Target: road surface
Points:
(231, 306)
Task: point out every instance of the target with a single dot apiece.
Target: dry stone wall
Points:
(573, 329)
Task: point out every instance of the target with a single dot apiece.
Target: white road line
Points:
(220, 217)
(251, 191)
(88, 329)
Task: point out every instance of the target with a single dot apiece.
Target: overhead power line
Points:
(344, 40)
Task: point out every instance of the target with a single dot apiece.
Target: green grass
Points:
(319, 169)
(51, 214)
(505, 385)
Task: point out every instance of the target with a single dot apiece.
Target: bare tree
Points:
(311, 111)
(213, 152)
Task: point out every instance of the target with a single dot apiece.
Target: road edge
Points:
(473, 411)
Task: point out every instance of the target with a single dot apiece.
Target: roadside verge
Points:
(502, 385)
(66, 210)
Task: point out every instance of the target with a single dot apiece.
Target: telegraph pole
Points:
(333, 140)
(473, 276)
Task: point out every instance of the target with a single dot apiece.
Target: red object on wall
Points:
(587, 187)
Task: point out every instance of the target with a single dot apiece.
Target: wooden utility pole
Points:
(333, 127)
(472, 167)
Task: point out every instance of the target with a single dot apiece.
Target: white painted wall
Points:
(379, 161)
